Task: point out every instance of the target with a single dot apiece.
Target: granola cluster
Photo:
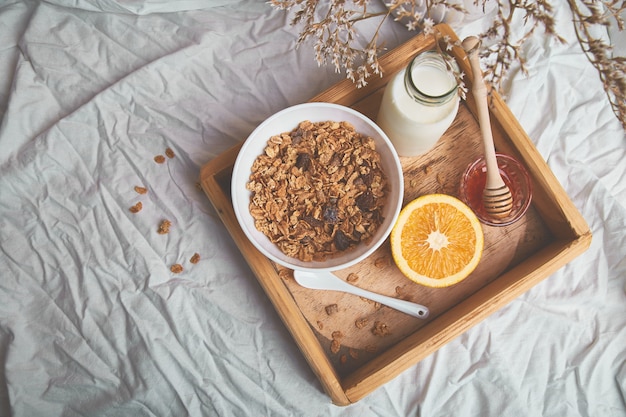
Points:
(318, 190)
(165, 225)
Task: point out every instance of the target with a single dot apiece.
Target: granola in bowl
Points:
(317, 186)
(318, 190)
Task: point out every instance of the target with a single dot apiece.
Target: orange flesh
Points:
(435, 223)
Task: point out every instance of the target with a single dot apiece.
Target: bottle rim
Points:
(433, 57)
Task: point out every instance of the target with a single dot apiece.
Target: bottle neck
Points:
(430, 80)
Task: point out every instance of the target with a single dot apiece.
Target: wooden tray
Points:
(340, 345)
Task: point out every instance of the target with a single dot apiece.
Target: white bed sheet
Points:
(92, 322)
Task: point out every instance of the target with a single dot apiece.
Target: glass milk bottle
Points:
(419, 104)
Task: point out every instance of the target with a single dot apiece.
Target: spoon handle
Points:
(329, 281)
(407, 307)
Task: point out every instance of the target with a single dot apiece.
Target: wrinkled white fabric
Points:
(92, 321)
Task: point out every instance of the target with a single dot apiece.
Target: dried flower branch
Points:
(502, 50)
(612, 69)
(331, 24)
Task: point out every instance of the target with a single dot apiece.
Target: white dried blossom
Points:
(429, 25)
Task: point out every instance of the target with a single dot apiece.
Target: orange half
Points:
(437, 240)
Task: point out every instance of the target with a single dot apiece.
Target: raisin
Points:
(303, 161)
(331, 214)
(313, 222)
(366, 178)
(365, 201)
(341, 241)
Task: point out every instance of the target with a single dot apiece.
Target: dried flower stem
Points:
(335, 35)
(612, 69)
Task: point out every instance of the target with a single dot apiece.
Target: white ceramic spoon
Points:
(329, 281)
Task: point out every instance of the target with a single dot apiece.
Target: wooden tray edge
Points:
(570, 226)
(462, 317)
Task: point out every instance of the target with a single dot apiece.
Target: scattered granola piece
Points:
(170, 153)
(176, 268)
(320, 325)
(360, 323)
(352, 277)
(331, 309)
(343, 359)
(354, 354)
(159, 159)
(140, 190)
(380, 329)
(335, 345)
(377, 305)
(285, 273)
(381, 262)
(371, 348)
(413, 183)
(136, 208)
(440, 179)
(195, 258)
(164, 227)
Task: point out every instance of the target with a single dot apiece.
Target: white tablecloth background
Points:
(92, 321)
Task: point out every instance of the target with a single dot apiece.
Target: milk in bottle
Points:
(419, 104)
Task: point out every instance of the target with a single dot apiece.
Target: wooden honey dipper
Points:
(497, 197)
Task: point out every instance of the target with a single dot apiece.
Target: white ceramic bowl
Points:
(285, 121)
